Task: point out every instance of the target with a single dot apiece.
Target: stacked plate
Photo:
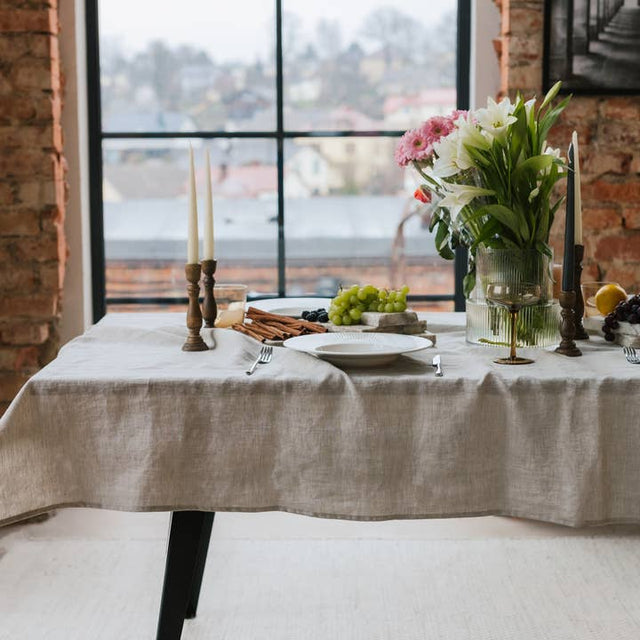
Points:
(357, 349)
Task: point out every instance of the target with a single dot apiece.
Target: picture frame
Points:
(592, 47)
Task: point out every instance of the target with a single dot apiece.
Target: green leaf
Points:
(468, 283)
(534, 165)
(442, 241)
(544, 248)
(478, 156)
(551, 94)
(504, 216)
(549, 118)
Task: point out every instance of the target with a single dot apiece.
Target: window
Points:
(300, 113)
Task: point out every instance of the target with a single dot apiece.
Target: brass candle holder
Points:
(209, 306)
(568, 325)
(581, 333)
(194, 340)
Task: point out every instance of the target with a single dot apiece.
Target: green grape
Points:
(355, 313)
(399, 306)
(405, 290)
(353, 290)
(346, 319)
(362, 294)
(373, 306)
(388, 307)
(392, 296)
(353, 301)
(337, 320)
(382, 294)
(371, 290)
(361, 307)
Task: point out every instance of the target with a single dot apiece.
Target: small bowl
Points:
(230, 300)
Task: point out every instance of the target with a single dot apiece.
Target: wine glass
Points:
(513, 296)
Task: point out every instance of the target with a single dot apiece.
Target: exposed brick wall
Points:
(609, 134)
(32, 191)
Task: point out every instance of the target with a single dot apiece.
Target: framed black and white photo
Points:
(593, 46)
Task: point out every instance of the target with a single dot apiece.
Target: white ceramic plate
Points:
(292, 307)
(357, 349)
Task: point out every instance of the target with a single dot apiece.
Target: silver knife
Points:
(436, 364)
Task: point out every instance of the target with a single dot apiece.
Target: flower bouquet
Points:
(489, 174)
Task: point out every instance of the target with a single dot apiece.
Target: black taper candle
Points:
(568, 263)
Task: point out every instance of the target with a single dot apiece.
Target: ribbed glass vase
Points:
(537, 324)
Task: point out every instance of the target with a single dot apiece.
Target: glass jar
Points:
(537, 324)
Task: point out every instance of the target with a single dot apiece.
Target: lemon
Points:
(608, 297)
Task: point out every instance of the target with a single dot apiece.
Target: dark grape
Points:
(312, 316)
(323, 317)
(615, 324)
(305, 314)
(633, 318)
(609, 337)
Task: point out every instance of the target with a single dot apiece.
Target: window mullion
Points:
(282, 289)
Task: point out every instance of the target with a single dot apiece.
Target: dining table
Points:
(124, 419)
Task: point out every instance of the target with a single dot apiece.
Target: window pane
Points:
(145, 213)
(370, 66)
(346, 201)
(188, 65)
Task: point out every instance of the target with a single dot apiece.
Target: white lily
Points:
(451, 156)
(470, 135)
(496, 118)
(550, 151)
(528, 105)
(459, 196)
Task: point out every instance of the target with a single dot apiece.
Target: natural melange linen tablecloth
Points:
(123, 419)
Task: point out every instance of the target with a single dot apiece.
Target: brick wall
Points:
(609, 135)
(32, 191)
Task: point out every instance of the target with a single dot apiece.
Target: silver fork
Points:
(631, 355)
(263, 358)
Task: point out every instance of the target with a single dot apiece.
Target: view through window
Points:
(306, 191)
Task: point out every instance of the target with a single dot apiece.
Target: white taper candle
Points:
(192, 238)
(577, 191)
(208, 216)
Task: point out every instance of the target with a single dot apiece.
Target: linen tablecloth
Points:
(123, 419)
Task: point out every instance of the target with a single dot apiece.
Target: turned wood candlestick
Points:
(194, 340)
(209, 306)
(568, 325)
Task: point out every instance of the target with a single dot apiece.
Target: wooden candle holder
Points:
(209, 306)
(568, 325)
(581, 333)
(194, 340)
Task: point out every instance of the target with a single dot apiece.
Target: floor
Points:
(88, 574)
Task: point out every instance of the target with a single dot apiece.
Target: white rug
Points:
(497, 589)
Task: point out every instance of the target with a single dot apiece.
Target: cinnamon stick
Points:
(242, 328)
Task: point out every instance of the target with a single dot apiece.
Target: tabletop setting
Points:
(357, 406)
(330, 385)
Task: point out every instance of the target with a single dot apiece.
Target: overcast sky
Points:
(238, 29)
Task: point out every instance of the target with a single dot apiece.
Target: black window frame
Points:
(97, 136)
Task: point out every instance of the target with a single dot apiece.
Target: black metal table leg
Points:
(201, 561)
(183, 570)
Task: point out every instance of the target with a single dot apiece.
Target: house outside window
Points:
(300, 108)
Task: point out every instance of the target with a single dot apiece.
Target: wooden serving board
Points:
(405, 322)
